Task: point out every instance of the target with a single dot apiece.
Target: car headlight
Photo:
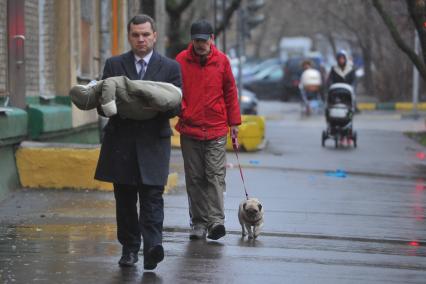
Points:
(245, 99)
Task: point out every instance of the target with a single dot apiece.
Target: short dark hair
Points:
(141, 19)
(307, 62)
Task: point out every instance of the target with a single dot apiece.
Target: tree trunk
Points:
(175, 10)
(368, 74)
(417, 10)
(367, 55)
(175, 44)
(148, 7)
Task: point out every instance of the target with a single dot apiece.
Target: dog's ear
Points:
(244, 206)
(260, 207)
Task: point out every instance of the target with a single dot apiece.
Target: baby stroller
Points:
(340, 107)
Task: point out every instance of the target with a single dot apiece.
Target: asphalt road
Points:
(366, 227)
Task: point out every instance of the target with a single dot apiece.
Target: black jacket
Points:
(337, 75)
(135, 151)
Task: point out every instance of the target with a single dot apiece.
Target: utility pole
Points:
(105, 22)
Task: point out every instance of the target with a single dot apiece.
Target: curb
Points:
(64, 166)
(391, 106)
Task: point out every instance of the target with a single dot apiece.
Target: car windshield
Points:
(255, 68)
(274, 71)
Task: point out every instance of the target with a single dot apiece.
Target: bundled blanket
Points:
(134, 99)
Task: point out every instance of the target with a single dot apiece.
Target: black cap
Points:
(201, 29)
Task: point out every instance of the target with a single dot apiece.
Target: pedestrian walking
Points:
(135, 154)
(210, 108)
(343, 71)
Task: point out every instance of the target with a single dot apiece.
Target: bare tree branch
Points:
(420, 65)
(348, 26)
(235, 4)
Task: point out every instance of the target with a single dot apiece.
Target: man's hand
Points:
(234, 131)
(234, 137)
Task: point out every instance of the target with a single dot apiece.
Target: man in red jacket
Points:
(209, 107)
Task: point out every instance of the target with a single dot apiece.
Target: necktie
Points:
(142, 70)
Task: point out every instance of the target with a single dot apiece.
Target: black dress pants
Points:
(149, 222)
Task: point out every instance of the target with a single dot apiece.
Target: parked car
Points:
(292, 72)
(248, 102)
(267, 83)
(251, 68)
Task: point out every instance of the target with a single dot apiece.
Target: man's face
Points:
(141, 38)
(201, 46)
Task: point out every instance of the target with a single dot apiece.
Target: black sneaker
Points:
(153, 257)
(197, 233)
(128, 259)
(216, 232)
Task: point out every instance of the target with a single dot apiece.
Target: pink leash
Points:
(235, 146)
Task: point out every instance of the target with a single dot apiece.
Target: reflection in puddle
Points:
(418, 205)
(52, 251)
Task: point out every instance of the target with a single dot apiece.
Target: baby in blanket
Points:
(134, 99)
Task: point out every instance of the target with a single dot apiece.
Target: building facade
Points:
(47, 46)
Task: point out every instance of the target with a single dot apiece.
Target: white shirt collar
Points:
(146, 58)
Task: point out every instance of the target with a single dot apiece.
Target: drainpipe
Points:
(105, 24)
(41, 59)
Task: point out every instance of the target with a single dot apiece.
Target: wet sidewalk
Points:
(50, 236)
(51, 253)
(368, 226)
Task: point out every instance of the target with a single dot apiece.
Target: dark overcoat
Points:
(138, 151)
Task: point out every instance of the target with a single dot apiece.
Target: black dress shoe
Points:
(128, 259)
(153, 257)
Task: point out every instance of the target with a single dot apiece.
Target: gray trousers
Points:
(205, 170)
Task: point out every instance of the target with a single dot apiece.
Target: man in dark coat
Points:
(135, 154)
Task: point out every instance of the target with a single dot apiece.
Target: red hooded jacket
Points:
(210, 100)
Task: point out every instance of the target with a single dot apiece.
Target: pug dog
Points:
(250, 214)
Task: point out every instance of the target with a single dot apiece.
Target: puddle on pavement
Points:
(81, 208)
(30, 253)
(419, 200)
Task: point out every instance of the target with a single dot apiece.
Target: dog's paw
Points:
(250, 236)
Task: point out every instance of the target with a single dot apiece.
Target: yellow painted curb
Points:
(172, 182)
(366, 106)
(403, 106)
(251, 133)
(398, 106)
(409, 106)
(60, 166)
